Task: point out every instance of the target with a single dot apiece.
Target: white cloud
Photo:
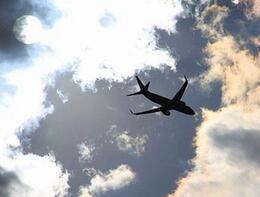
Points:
(227, 160)
(91, 171)
(21, 111)
(133, 145)
(98, 39)
(85, 152)
(38, 176)
(114, 51)
(111, 39)
(113, 180)
(63, 97)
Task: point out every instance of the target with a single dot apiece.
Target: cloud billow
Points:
(115, 179)
(95, 40)
(10, 184)
(242, 146)
(133, 145)
(227, 145)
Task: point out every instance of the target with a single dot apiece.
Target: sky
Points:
(67, 66)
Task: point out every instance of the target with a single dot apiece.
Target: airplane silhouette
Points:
(166, 104)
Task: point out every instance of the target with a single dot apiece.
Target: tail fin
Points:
(146, 86)
(143, 88)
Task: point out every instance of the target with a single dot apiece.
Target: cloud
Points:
(133, 145)
(242, 144)
(112, 41)
(255, 41)
(227, 145)
(91, 172)
(10, 183)
(63, 97)
(113, 180)
(127, 143)
(22, 110)
(85, 152)
(226, 163)
(252, 7)
(94, 131)
(122, 26)
(235, 67)
(30, 178)
(210, 20)
(87, 46)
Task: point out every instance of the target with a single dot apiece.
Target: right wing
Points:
(181, 90)
(148, 111)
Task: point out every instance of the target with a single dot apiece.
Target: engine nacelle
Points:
(166, 113)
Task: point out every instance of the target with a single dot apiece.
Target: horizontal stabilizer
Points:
(136, 93)
(143, 88)
(131, 111)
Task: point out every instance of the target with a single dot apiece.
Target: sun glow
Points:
(28, 29)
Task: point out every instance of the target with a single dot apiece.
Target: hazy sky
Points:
(66, 129)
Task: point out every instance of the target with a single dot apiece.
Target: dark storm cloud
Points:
(10, 10)
(8, 182)
(242, 144)
(192, 7)
(239, 26)
(186, 45)
(236, 23)
(88, 116)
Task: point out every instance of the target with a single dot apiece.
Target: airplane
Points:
(166, 104)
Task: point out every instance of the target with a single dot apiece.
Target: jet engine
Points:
(166, 113)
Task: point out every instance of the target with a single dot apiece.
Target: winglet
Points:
(185, 78)
(131, 112)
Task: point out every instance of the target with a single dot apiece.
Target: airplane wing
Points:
(148, 111)
(179, 94)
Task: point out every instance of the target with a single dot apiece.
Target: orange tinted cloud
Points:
(210, 20)
(235, 67)
(256, 41)
(252, 7)
(228, 140)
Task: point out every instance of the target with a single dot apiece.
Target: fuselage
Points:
(156, 98)
(169, 104)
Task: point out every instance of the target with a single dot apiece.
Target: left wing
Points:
(148, 111)
(181, 90)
